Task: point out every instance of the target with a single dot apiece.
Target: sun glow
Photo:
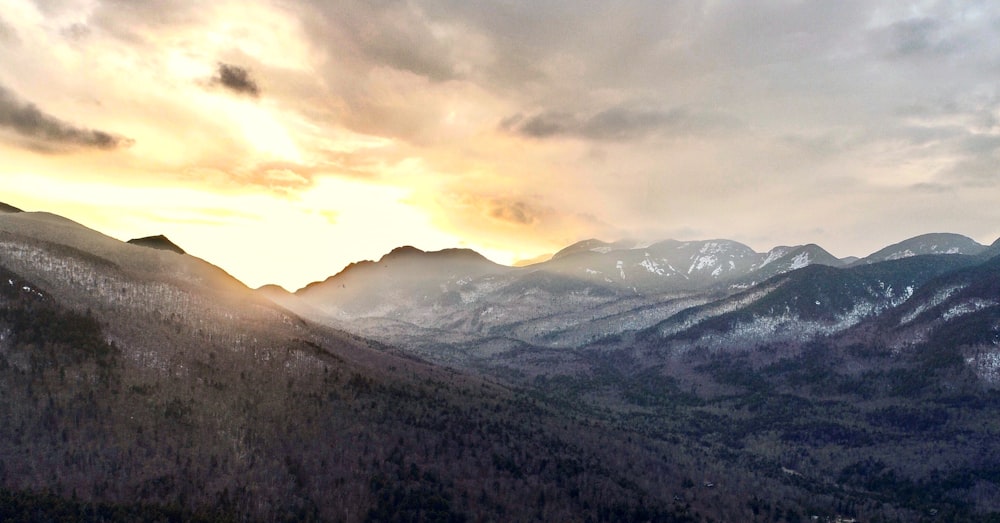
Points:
(290, 241)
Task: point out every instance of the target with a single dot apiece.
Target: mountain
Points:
(8, 208)
(665, 266)
(992, 250)
(595, 290)
(587, 291)
(803, 304)
(157, 242)
(780, 260)
(142, 384)
(404, 280)
(959, 310)
(593, 245)
(934, 243)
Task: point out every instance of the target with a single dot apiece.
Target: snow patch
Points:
(799, 261)
(986, 365)
(935, 300)
(774, 255)
(651, 266)
(967, 308)
(703, 262)
(900, 255)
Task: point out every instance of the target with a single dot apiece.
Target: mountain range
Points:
(676, 381)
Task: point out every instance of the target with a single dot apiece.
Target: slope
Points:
(153, 385)
(802, 304)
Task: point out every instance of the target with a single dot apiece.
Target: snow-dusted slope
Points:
(590, 290)
(673, 265)
(800, 305)
(163, 292)
(934, 243)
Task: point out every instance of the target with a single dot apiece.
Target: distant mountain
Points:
(802, 304)
(665, 266)
(780, 260)
(157, 242)
(934, 243)
(406, 279)
(589, 290)
(593, 245)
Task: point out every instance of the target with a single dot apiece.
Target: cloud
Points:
(914, 37)
(236, 79)
(391, 34)
(7, 33)
(516, 212)
(48, 133)
(620, 124)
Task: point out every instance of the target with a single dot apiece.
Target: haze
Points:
(283, 141)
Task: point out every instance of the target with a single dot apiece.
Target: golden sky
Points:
(284, 140)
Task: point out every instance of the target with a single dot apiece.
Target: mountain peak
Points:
(404, 250)
(157, 242)
(932, 243)
(408, 251)
(593, 245)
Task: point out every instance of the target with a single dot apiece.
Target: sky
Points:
(283, 140)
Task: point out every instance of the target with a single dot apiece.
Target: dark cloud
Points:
(47, 133)
(236, 79)
(542, 125)
(620, 124)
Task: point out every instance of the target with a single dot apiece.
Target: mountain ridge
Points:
(445, 387)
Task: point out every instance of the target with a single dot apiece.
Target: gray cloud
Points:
(620, 124)
(236, 79)
(388, 33)
(45, 132)
(915, 37)
(981, 171)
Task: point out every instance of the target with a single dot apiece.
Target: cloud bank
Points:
(523, 126)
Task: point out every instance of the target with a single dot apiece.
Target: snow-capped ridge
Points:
(932, 243)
